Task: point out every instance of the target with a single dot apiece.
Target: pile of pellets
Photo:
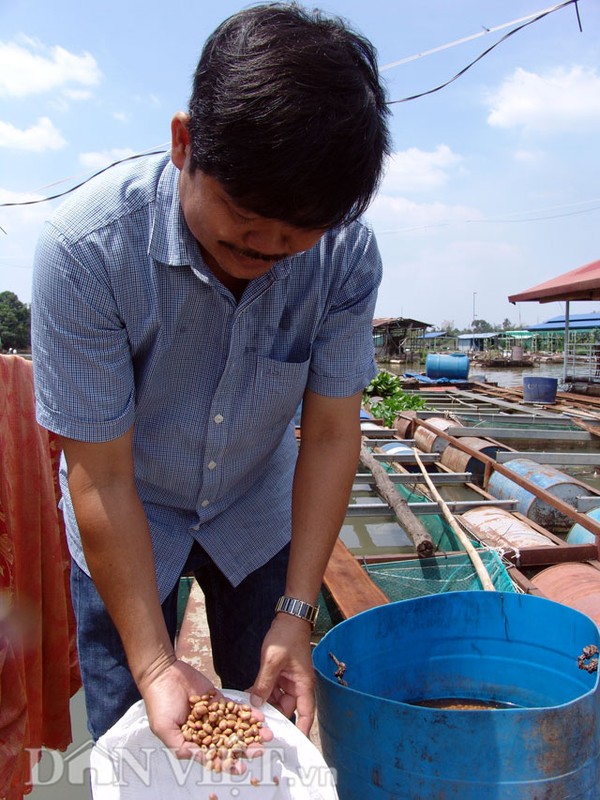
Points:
(223, 729)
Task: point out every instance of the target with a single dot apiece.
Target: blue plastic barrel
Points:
(580, 535)
(400, 449)
(555, 482)
(515, 650)
(397, 449)
(539, 390)
(454, 366)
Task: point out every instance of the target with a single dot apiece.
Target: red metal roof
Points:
(582, 283)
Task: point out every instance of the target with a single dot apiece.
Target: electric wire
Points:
(506, 36)
(473, 36)
(529, 21)
(79, 185)
(499, 220)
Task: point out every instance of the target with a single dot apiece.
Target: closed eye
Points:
(241, 217)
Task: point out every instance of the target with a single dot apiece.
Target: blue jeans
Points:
(238, 618)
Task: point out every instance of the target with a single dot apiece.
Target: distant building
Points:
(397, 337)
(437, 340)
(478, 341)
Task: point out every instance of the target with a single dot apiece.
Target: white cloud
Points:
(528, 156)
(121, 116)
(39, 137)
(27, 67)
(77, 94)
(99, 160)
(555, 101)
(150, 100)
(388, 214)
(17, 220)
(418, 170)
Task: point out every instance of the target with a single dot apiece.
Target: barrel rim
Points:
(502, 597)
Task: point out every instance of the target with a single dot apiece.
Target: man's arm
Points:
(327, 462)
(118, 550)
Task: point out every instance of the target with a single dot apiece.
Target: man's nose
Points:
(268, 240)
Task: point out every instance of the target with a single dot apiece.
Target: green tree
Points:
(481, 326)
(15, 322)
(507, 325)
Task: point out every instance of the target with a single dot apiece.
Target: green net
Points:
(403, 580)
(441, 532)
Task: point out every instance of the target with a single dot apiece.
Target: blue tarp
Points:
(424, 379)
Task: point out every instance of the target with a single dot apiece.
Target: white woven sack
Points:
(130, 763)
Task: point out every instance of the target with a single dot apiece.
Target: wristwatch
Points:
(297, 608)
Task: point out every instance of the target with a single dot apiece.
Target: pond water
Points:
(503, 376)
(513, 376)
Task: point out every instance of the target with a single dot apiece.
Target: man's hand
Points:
(166, 692)
(286, 676)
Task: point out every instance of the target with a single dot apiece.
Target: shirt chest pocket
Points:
(279, 386)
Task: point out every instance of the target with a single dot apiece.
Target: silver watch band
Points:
(297, 608)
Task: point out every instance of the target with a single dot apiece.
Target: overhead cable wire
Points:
(76, 176)
(529, 20)
(459, 74)
(78, 185)
(473, 36)
(507, 220)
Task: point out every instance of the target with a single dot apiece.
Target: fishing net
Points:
(405, 580)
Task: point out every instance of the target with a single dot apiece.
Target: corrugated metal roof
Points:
(591, 317)
(577, 325)
(582, 283)
(401, 322)
(478, 335)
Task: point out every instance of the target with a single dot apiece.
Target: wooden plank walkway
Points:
(349, 585)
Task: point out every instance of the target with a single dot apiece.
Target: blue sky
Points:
(495, 181)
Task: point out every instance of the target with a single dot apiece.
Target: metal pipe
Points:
(586, 522)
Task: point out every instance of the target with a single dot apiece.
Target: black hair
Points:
(288, 113)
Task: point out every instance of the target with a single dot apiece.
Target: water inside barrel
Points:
(461, 704)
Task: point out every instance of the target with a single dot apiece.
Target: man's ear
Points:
(180, 139)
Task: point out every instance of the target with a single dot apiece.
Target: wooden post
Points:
(412, 525)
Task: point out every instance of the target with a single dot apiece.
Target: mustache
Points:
(254, 253)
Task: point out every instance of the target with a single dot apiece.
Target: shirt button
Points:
(212, 464)
(205, 503)
(219, 419)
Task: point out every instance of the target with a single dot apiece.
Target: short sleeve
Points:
(343, 360)
(82, 362)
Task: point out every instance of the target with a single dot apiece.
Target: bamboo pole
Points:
(480, 569)
(412, 525)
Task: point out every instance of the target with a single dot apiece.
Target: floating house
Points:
(397, 338)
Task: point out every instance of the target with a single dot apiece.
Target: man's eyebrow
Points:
(243, 212)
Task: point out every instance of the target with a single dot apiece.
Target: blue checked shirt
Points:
(130, 328)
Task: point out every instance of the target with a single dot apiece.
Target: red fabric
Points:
(38, 662)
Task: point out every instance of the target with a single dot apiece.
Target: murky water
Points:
(503, 376)
(514, 377)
